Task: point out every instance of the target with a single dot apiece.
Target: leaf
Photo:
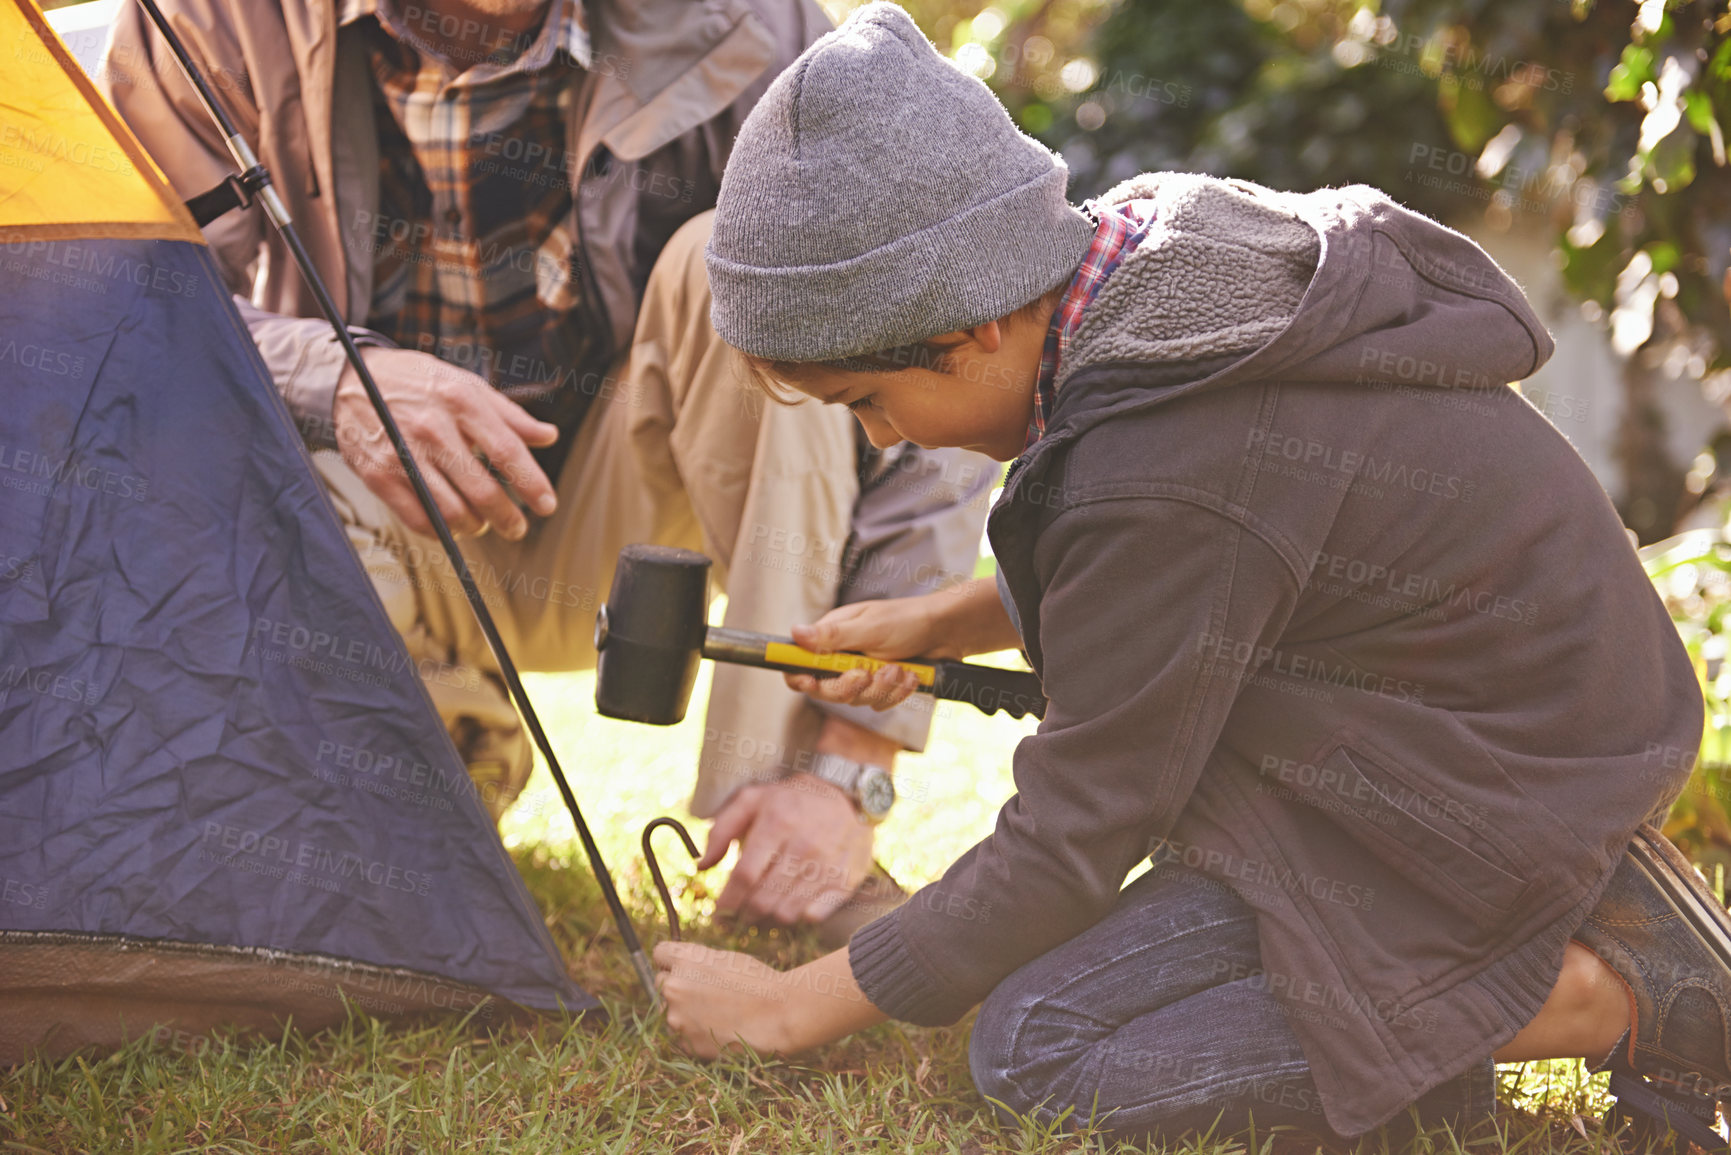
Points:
(1673, 160)
(1474, 119)
(1720, 64)
(1591, 272)
(1698, 108)
(1036, 117)
(1635, 69)
(1664, 255)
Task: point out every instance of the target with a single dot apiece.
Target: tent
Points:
(225, 796)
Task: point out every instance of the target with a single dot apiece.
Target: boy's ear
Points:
(988, 336)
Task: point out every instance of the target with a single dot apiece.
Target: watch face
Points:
(876, 792)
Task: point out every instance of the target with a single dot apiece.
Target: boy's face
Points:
(982, 398)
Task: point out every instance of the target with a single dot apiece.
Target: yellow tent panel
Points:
(68, 166)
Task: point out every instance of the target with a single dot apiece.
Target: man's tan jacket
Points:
(669, 85)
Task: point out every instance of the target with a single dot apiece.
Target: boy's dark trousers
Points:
(1157, 1021)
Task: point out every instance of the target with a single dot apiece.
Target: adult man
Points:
(507, 199)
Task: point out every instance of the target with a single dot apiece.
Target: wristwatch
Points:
(868, 786)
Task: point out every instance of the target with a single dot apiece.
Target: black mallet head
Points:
(649, 635)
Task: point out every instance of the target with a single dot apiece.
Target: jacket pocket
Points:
(1438, 843)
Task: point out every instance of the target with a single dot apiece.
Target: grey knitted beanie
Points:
(878, 195)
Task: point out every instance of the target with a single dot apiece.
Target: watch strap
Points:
(851, 778)
(840, 772)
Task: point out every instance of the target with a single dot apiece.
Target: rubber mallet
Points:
(651, 634)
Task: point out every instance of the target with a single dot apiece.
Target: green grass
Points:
(375, 1088)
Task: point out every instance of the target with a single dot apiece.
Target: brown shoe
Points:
(877, 896)
(498, 761)
(1666, 935)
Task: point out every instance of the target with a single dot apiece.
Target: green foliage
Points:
(1692, 573)
(1256, 101)
(1603, 119)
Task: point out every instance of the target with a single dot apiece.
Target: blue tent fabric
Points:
(212, 734)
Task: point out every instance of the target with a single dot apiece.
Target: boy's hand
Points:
(886, 628)
(957, 622)
(717, 999)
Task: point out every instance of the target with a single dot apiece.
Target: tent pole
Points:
(257, 179)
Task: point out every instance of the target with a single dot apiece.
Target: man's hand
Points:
(804, 850)
(446, 414)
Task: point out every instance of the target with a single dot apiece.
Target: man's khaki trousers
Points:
(675, 450)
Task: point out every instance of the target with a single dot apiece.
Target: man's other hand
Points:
(449, 417)
(803, 850)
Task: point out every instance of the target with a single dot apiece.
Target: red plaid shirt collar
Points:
(1118, 229)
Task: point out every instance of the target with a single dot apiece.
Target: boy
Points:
(1333, 625)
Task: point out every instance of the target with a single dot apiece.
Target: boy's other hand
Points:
(718, 998)
(448, 416)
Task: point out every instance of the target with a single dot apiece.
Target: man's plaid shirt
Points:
(1119, 228)
(475, 245)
